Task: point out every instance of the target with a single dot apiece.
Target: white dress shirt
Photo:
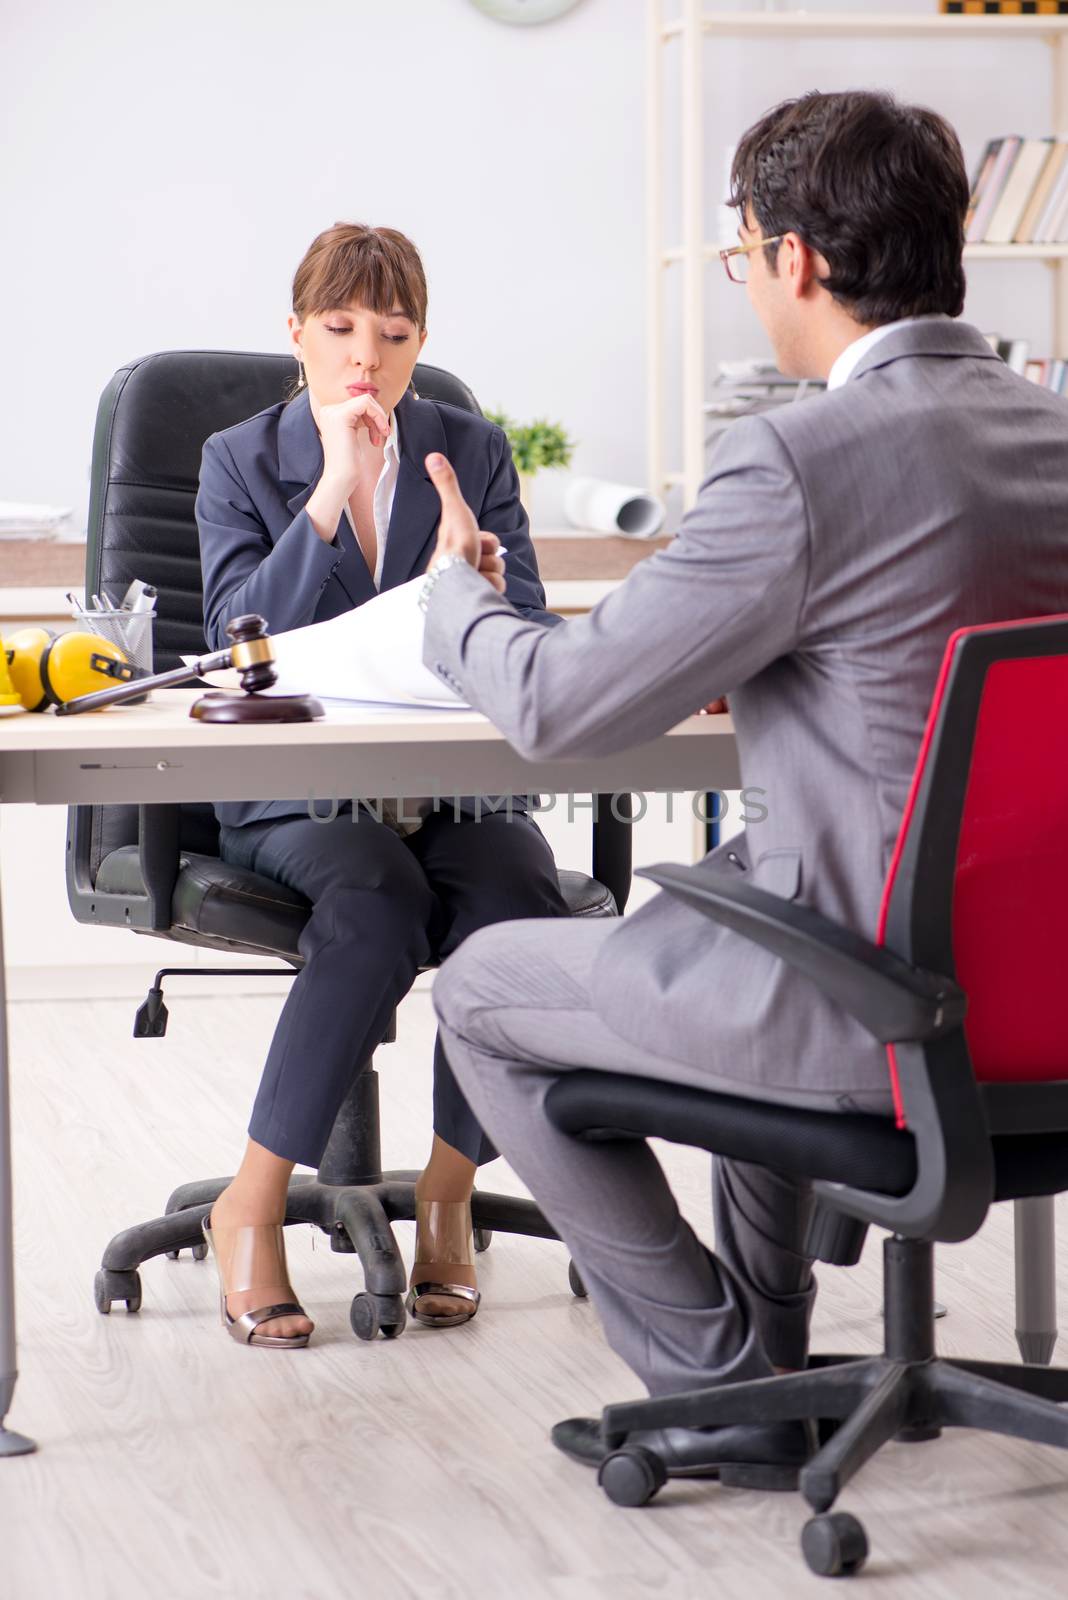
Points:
(414, 808)
(385, 489)
(850, 357)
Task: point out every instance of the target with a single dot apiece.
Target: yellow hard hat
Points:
(9, 695)
(74, 664)
(23, 651)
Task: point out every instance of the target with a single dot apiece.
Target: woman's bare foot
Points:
(235, 1208)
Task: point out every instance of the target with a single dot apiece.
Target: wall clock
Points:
(525, 10)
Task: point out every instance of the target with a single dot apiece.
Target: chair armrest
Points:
(142, 899)
(159, 850)
(897, 1003)
(613, 834)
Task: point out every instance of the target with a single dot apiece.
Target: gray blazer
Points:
(259, 551)
(831, 551)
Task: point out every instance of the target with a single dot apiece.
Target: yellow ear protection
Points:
(73, 664)
(9, 695)
(23, 651)
(47, 668)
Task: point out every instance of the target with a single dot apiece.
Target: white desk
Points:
(157, 753)
(48, 603)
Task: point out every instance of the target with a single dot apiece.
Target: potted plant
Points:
(534, 445)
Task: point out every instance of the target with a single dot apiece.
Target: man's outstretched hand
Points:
(458, 532)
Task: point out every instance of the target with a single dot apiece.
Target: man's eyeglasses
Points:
(736, 259)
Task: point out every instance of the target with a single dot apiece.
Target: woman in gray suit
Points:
(305, 511)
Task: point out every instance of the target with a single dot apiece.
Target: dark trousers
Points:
(382, 907)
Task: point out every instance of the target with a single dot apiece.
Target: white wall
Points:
(175, 161)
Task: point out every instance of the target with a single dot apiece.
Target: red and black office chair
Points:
(964, 983)
(156, 869)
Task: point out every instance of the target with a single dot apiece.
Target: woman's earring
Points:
(300, 373)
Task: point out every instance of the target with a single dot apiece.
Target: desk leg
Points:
(11, 1444)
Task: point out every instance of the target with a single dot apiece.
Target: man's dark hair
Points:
(878, 188)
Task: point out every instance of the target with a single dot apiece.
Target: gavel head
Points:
(252, 653)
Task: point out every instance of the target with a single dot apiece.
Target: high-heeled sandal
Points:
(256, 1249)
(448, 1224)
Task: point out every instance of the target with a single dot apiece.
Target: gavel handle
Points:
(136, 687)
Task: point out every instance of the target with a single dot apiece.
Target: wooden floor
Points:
(174, 1464)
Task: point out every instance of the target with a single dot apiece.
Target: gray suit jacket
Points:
(831, 551)
(259, 551)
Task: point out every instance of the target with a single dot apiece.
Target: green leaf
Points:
(536, 444)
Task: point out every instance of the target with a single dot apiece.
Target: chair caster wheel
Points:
(374, 1314)
(197, 1251)
(574, 1278)
(340, 1243)
(834, 1545)
(482, 1237)
(392, 1317)
(631, 1476)
(109, 1286)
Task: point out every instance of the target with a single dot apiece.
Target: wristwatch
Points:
(434, 571)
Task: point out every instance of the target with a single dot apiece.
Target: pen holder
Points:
(131, 631)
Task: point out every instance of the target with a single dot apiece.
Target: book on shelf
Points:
(1047, 371)
(1035, 209)
(1017, 190)
(1054, 213)
(990, 180)
(1014, 353)
(748, 387)
(1019, 193)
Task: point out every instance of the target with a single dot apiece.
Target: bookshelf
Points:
(693, 254)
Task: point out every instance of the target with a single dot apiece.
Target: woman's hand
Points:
(458, 531)
(340, 427)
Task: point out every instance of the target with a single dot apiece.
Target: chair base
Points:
(357, 1218)
(350, 1198)
(860, 1403)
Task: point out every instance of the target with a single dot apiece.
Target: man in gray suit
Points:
(831, 551)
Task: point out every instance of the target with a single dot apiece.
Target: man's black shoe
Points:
(744, 1456)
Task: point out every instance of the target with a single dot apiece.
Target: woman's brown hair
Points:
(375, 267)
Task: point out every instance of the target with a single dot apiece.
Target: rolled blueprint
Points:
(613, 508)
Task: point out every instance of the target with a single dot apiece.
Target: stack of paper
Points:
(19, 520)
(373, 653)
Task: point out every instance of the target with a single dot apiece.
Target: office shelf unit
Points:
(694, 253)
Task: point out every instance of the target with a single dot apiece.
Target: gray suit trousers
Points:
(514, 1010)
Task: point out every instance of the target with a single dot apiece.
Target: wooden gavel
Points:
(251, 653)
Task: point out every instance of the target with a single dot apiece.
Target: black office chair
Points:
(965, 985)
(156, 869)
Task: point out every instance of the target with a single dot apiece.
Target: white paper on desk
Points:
(374, 652)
